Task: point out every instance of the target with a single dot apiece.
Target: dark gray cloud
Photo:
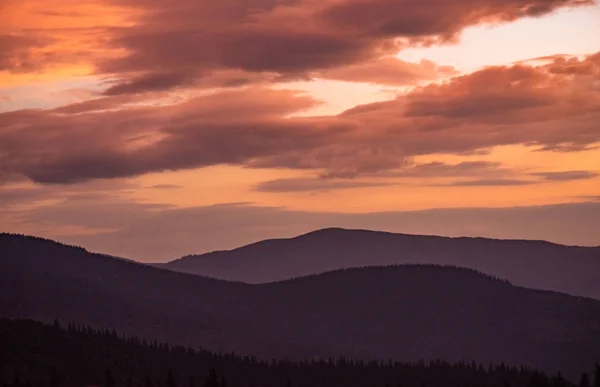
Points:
(488, 173)
(313, 185)
(151, 82)
(489, 183)
(165, 186)
(566, 175)
(29, 195)
(486, 169)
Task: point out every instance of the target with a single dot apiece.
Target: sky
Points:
(151, 129)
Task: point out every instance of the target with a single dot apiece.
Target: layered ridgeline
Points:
(403, 313)
(34, 354)
(533, 264)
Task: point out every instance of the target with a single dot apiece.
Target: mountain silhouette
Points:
(404, 313)
(533, 264)
(86, 356)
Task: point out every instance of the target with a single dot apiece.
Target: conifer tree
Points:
(54, 378)
(212, 380)
(170, 380)
(109, 380)
(584, 381)
(559, 381)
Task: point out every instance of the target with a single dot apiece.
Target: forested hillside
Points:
(36, 354)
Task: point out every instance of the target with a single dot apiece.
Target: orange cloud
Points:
(49, 39)
(116, 136)
(151, 45)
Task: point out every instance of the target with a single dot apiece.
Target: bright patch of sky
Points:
(569, 31)
(48, 95)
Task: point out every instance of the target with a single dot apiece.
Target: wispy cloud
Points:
(566, 175)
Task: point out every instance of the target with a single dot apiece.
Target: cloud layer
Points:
(174, 86)
(151, 45)
(298, 37)
(552, 107)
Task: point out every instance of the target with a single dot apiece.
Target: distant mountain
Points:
(404, 312)
(533, 264)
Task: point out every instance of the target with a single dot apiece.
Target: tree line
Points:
(49, 355)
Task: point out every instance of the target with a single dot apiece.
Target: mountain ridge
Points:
(367, 231)
(406, 312)
(533, 264)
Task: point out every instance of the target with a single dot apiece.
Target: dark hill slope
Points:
(403, 312)
(29, 351)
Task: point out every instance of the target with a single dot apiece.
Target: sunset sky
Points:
(152, 129)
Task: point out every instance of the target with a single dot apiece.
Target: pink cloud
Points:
(112, 137)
